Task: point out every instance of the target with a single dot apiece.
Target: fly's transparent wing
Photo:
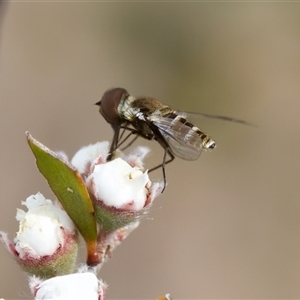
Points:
(218, 117)
(184, 142)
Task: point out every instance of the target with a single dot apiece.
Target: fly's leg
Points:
(114, 142)
(162, 165)
(130, 143)
(126, 138)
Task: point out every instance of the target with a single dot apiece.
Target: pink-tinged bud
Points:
(46, 243)
(121, 192)
(119, 185)
(135, 158)
(74, 286)
(85, 157)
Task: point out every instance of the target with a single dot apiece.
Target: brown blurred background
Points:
(228, 225)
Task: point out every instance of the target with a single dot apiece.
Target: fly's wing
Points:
(184, 142)
(218, 117)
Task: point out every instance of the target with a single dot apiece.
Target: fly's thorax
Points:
(135, 116)
(132, 108)
(126, 110)
(150, 106)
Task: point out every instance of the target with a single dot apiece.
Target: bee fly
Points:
(153, 120)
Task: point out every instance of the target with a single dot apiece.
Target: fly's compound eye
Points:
(109, 105)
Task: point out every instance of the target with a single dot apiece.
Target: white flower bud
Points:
(74, 286)
(117, 184)
(42, 228)
(85, 156)
(47, 242)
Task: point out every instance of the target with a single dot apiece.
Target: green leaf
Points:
(69, 188)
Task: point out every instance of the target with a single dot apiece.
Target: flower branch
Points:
(102, 200)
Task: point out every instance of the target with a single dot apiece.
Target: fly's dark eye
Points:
(109, 105)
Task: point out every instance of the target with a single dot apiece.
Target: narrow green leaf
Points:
(69, 188)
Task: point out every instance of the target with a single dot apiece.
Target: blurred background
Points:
(228, 224)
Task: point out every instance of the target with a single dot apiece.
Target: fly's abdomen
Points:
(190, 133)
(208, 143)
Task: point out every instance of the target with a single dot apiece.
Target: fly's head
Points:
(109, 105)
